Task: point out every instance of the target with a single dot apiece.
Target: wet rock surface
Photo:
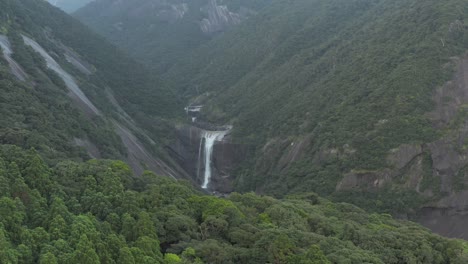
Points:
(188, 152)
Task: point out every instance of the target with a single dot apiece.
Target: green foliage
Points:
(354, 76)
(39, 112)
(431, 182)
(388, 200)
(69, 211)
(76, 219)
(171, 259)
(158, 41)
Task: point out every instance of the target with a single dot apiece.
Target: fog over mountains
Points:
(234, 131)
(69, 5)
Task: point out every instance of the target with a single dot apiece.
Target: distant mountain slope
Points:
(349, 73)
(343, 98)
(360, 100)
(161, 33)
(63, 87)
(69, 5)
(71, 93)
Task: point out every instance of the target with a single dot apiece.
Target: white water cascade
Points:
(210, 137)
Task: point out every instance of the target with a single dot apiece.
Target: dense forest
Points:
(353, 75)
(57, 205)
(97, 212)
(337, 85)
(160, 33)
(38, 113)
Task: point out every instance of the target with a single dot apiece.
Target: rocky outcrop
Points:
(403, 155)
(447, 216)
(218, 18)
(215, 16)
(173, 13)
(15, 68)
(451, 97)
(75, 91)
(405, 166)
(368, 180)
(446, 161)
(447, 212)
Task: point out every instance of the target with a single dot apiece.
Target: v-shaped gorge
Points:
(335, 97)
(65, 196)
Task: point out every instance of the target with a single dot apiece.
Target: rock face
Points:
(212, 15)
(219, 18)
(401, 156)
(75, 91)
(368, 180)
(447, 212)
(15, 68)
(188, 152)
(448, 215)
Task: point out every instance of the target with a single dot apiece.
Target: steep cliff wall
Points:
(188, 151)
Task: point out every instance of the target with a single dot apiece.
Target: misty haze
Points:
(233, 131)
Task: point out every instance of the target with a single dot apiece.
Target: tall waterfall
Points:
(210, 137)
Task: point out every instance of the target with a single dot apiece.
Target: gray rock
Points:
(403, 155)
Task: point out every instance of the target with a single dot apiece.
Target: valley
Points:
(345, 99)
(216, 131)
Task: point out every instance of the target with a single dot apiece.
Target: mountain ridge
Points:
(333, 94)
(59, 204)
(159, 33)
(93, 74)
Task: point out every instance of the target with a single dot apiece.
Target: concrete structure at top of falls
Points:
(210, 137)
(70, 82)
(14, 66)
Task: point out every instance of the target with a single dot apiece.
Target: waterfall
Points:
(210, 137)
(199, 156)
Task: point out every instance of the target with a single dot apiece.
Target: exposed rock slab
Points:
(367, 180)
(403, 155)
(15, 68)
(75, 92)
(218, 18)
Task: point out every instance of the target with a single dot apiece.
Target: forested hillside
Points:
(97, 212)
(330, 92)
(359, 100)
(69, 5)
(61, 86)
(81, 96)
(161, 33)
